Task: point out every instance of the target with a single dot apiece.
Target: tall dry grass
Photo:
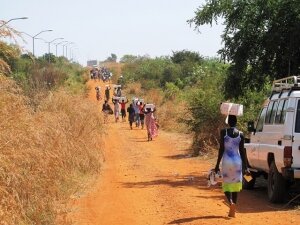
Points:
(169, 115)
(134, 89)
(44, 153)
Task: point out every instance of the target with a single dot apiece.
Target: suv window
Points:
(282, 119)
(260, 122)
(273, 113)
(281, 111)
(269, 112)
(297, 124)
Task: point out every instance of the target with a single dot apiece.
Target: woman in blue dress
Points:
(233, 162)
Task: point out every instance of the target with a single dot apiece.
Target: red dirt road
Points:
(156, 183)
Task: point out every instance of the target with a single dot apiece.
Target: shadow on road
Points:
(178, 156)
(172, 181)
(191, 219)
(248, 202)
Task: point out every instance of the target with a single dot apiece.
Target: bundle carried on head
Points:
(149, 107)
(115, 98)
(228, 108)
(231, 110)
(117, 86)
(123, 98)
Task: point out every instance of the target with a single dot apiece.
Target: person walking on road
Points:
(98, 93)
(131, 115)
(119, 92)
(123, 109)
(150, 123)
(142, 114)
(116, 109)
(137, 112)
(106, 109)
(107, 93)
(233, 157)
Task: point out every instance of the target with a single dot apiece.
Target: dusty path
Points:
(155, 183)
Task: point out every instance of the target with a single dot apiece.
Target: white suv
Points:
(274, 146)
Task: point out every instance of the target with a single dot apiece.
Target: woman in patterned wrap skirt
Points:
(233, 162)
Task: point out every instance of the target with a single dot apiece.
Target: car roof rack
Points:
(287, 83)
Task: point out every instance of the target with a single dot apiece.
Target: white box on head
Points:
(123, 98)
(135, 99)
(228, 108)
(149, 106)
(116, 98)
(117, 86)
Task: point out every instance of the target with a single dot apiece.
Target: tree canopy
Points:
(112, 58)
(261, 39)
(186, 56)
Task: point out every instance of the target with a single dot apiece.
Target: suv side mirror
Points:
(250, 126)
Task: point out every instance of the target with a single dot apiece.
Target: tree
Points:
(112, 58)
(128, 59)
(170, 73)
(187, 61)
(261, 39)
(180, 57)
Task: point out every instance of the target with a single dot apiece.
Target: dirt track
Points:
(156, 183)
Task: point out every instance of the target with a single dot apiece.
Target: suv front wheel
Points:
(276, 185)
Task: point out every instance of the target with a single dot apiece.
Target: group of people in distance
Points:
(138, 112)
(141, 114)
(101, 74)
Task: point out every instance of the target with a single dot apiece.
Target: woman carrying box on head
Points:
(233, 157)
(137, 112)
(150, 121)
(116, 108)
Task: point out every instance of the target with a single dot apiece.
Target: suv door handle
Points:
(279, 142)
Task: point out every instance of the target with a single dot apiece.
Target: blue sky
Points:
(99, 28)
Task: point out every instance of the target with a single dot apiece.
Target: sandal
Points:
(232, 210)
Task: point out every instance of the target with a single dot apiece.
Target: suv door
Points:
(271, 139)
(296, 137)
(253, 148)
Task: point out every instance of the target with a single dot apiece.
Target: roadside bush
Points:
(171, 91)
(203, 117)
(44, 154)
(252, 101)
(134, 89)
(169, 113)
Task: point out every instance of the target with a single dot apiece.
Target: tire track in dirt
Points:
(156, 183)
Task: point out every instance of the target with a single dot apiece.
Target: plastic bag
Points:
(213, 178)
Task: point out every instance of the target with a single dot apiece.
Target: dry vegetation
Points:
(43, 153)
(169, 115)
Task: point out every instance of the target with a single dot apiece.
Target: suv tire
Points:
(276, 185)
